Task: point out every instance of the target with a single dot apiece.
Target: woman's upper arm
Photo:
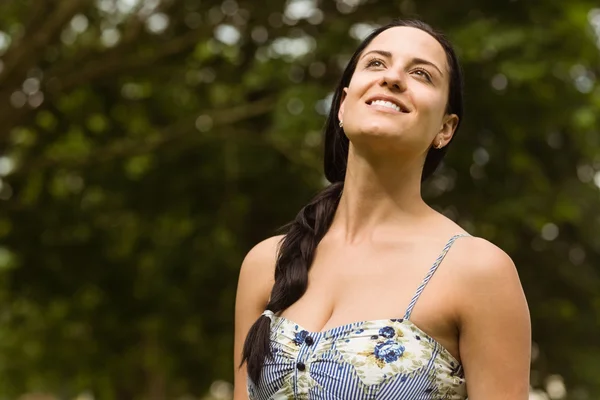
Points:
(495, 327)
(254, 287)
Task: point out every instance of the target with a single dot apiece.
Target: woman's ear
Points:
(446, 132)
(341, 110)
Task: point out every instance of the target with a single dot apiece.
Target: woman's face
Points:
(397, 97)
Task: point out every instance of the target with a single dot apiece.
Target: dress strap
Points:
(432, 270)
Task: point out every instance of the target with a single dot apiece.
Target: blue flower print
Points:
(300, 336)
(387, 332)
(389, 351)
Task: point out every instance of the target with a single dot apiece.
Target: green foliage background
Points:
(145, 146)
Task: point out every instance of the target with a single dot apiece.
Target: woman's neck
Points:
(379, 196)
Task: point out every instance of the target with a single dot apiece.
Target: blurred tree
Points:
(145, 146)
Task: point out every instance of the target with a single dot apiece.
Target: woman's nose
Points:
(394, 81)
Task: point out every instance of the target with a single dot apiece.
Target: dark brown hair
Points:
(304, 233)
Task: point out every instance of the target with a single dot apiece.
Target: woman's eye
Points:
(423, 73)
(375, 63)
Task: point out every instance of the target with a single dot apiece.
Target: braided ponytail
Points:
(294, 259)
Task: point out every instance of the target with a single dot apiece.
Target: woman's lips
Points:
(384, 109)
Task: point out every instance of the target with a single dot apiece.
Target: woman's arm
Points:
(254, 288)
(495, 327)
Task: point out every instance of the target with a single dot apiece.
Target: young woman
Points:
(354, 302)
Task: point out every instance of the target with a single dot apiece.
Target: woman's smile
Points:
(385, 106)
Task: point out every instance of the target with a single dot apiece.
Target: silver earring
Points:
(439, 146)
(341, 124)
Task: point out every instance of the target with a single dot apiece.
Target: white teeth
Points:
(386, 104)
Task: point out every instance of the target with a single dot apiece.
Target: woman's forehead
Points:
(408, 42)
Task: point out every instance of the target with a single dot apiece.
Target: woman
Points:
(367, 247)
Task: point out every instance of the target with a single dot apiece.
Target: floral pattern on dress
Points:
(387, 332)
(387, 352)
(304, 384)
(378, 353)
(300, 337)
(448, 387)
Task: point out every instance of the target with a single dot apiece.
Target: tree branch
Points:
(126, 147)
(100, 67)
(24, 53)
(71, 75)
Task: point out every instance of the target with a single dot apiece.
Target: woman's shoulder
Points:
(264, 252)
(479, 255)
(258, 266)
(481, 264)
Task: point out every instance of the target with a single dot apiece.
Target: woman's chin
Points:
(381, 139)
(377, 132)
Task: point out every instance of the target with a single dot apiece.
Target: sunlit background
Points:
(146, 146)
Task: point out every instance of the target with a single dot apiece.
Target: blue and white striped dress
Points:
(385, 359)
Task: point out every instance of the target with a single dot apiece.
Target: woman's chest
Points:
(363, 287)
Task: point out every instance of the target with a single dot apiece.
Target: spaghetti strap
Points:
(432, 270)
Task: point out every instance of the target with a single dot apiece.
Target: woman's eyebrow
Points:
(383, 53)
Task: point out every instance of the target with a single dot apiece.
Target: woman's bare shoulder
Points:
(263, 255)
(256, 281)
(481, 258)
(487, 276)
(258, 266)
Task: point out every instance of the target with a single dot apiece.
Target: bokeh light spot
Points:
(157, 23)
(499, 82)
(549, 232)
(204, 123)
(227, 34)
